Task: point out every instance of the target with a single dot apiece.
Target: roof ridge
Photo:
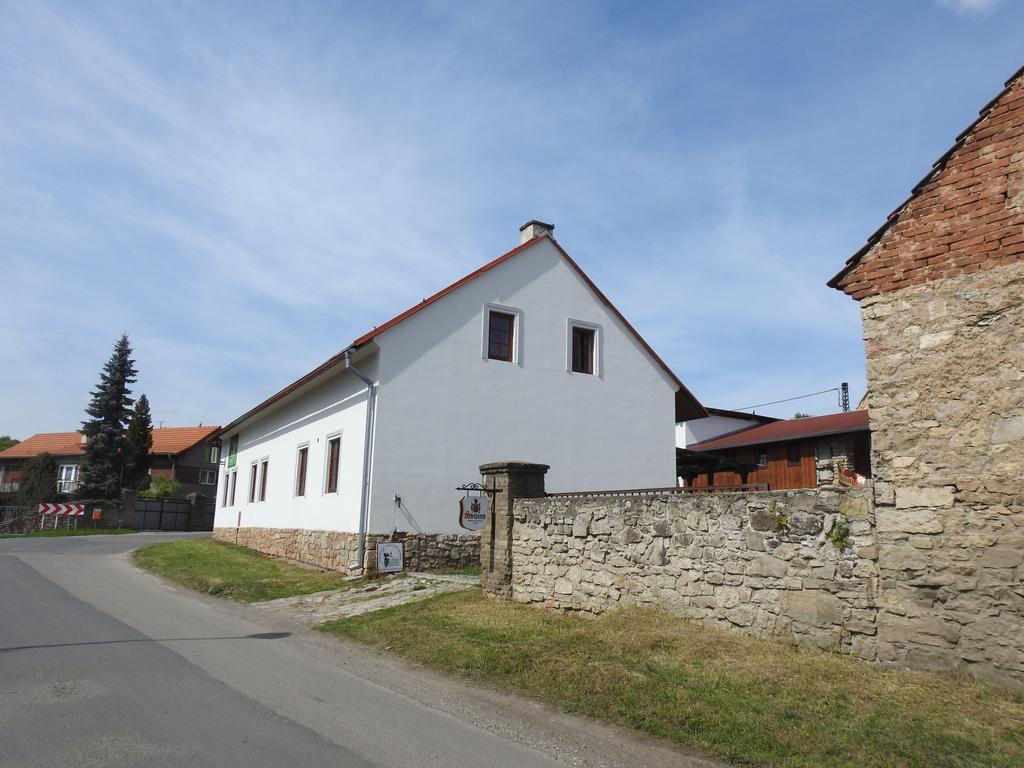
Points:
(937, 167)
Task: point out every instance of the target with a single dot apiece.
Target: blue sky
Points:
(253, 185)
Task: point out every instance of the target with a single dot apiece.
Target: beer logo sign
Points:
(473, 512)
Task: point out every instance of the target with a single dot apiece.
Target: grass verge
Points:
(68, 532)
(469, 570)
(234, 572)
(753, 701)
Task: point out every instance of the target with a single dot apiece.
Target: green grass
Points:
(49, 532)
(234, 572)
(469, 570)
(753, 701)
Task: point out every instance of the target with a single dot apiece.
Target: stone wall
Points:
(946, 381)
(762, 563)
(336, 550)
(830, 455)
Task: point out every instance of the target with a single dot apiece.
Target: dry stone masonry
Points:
(946, 374)
(798, 565)
(336, 550)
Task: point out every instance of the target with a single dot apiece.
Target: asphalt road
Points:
(104, 665)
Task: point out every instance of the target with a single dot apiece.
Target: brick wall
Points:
(942, 290)
(966, 216)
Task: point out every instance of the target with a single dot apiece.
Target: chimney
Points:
(534, 228)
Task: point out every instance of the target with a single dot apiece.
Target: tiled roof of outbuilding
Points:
(790, 429)
(172, 440)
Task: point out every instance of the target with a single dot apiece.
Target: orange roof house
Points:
(186, 454)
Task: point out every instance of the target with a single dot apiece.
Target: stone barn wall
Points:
(946, 373)
(941, 287)
(764, 563)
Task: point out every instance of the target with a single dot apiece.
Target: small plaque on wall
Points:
(390, 557)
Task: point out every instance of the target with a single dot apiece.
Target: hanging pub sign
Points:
(473, 512)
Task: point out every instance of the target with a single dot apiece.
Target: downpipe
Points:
(364, 499)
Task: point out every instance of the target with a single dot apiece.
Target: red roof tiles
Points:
(790, 429)
(172, 440)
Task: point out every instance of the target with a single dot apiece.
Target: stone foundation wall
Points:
(762, 563)
(336, 550)
(946, 373)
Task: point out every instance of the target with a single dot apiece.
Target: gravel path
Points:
(319, 607)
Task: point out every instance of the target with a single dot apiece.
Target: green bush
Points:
(162, 488)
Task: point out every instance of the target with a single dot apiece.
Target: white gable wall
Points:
(444, 409)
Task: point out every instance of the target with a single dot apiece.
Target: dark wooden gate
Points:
(172, 515)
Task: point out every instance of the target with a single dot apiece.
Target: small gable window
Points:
(501, 328)
(583, 349)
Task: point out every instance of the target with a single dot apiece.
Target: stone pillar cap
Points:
(517, 466)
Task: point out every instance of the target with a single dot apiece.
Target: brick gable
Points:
(966, 215)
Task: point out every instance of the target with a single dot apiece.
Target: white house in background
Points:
(718, 422)
(524, 359)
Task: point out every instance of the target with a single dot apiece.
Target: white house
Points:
(522, 359)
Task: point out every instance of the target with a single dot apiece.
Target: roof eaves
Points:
(709, 444)
(937, 167)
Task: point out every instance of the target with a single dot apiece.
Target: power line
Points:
(788, 399)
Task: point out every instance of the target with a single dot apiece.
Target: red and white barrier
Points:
(62, 509)
(66, 511)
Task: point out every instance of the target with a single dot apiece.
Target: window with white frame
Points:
(214, 456)
(67, 478)
(332, 464)
(583, 347)
(264, 466)
(234, 482)
(253, 476)
(301, 465)
(207, 477)
(224, 493)
(502, 333)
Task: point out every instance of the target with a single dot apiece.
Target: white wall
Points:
(444, 409)
(334, 404)
(698, 430)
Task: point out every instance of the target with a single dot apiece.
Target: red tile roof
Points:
(57, 443)
(172, 440)
(790, 429)
(687, 406)
(937, 167)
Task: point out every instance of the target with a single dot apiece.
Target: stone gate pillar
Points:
(512, 480)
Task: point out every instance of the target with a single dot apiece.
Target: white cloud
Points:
(970, 7)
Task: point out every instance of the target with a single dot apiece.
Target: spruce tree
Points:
(108, 413)
(138, 442)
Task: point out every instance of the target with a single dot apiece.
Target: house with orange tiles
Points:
(187, 454)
